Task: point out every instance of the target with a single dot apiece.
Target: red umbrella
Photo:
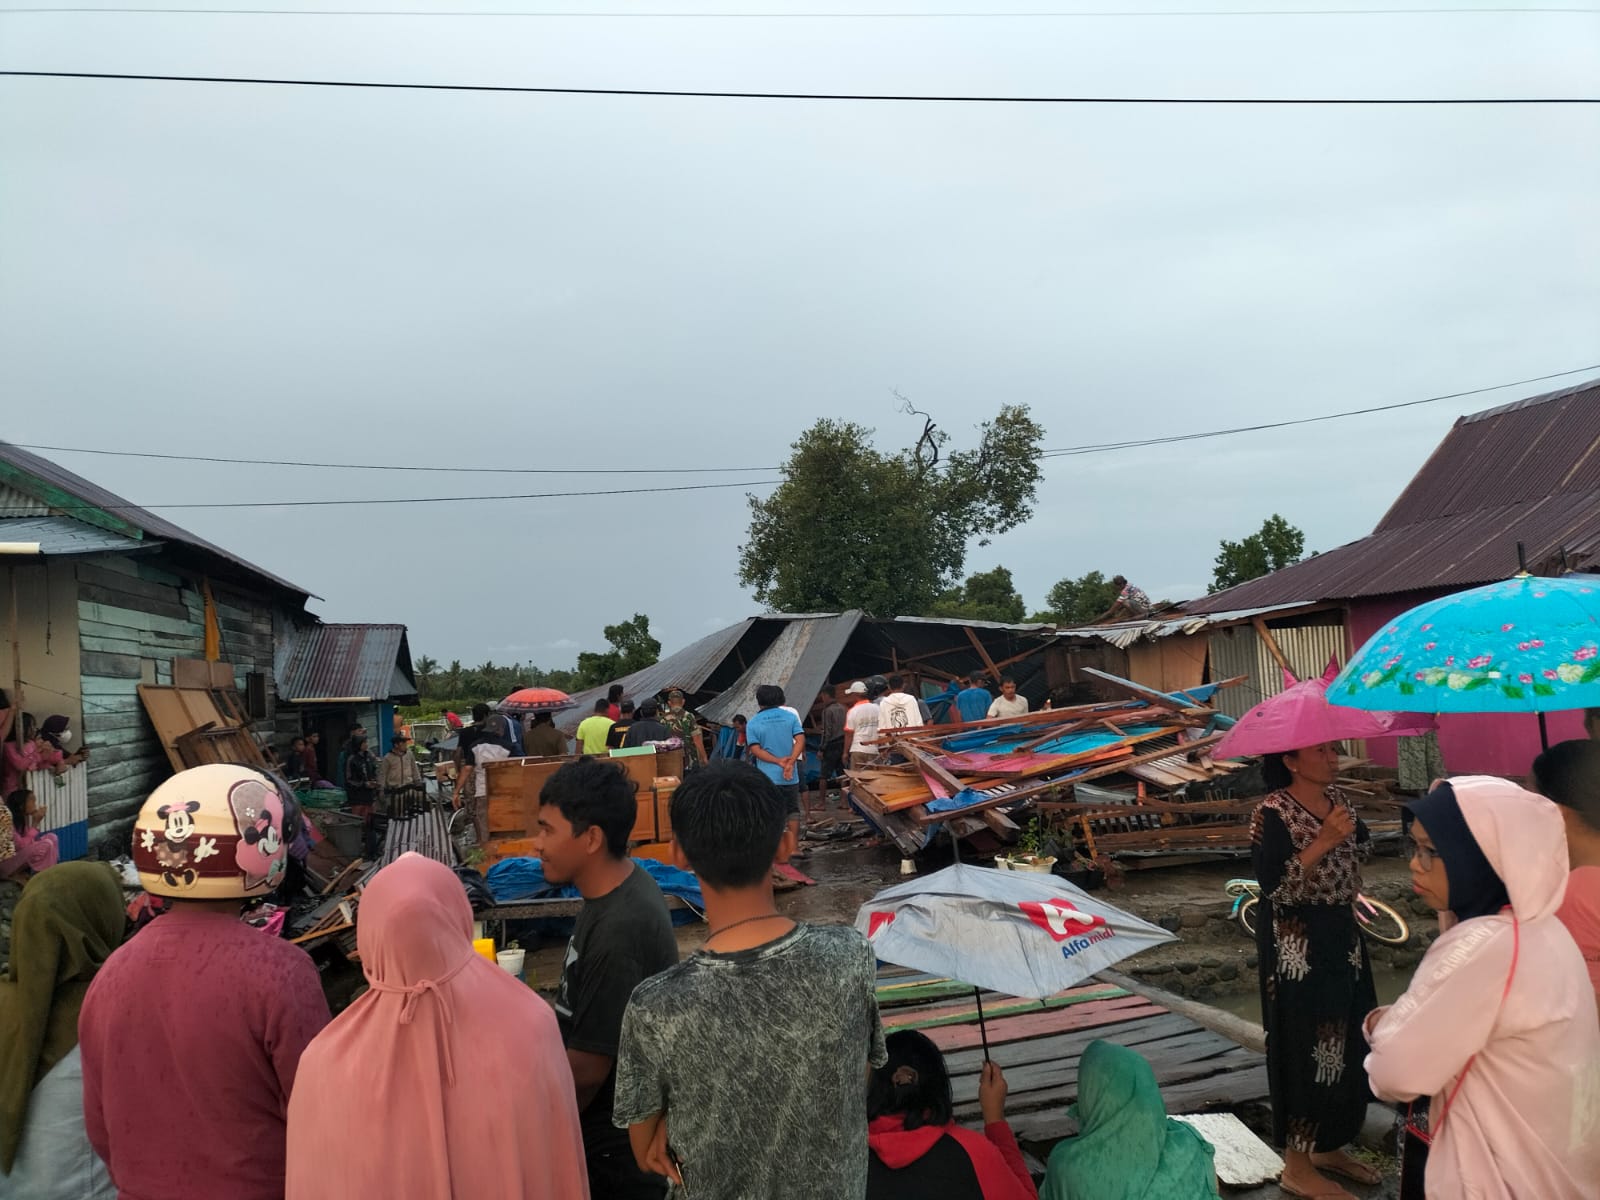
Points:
(535, 700)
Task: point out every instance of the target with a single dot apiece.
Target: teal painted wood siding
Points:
(135, 615)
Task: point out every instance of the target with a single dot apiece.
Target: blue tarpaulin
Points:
(513, 879)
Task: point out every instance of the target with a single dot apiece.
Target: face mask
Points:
(65, 735)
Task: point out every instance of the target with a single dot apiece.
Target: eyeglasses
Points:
(1426, 856)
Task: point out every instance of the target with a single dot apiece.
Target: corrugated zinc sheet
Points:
(1124, 634)
(95, 496)
(1236, 651)
(799, 662)
(63, 536)
(688, 668)
(1240, 651)
(1527, 472)
(346, 662)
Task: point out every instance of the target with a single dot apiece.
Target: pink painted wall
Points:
(1472, 744)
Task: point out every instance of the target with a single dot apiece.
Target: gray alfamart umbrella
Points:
(1014, 932)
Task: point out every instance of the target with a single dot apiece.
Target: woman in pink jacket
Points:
(1498, 1026)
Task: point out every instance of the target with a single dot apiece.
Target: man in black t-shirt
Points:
(646, 728)
(619, 727)
(623, 935)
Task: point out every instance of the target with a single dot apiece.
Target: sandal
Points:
(1338, 1193)
(1351, 1169)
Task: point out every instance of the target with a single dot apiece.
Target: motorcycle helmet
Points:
(214, 833)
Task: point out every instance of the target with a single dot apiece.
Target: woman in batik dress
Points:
(1316, 981)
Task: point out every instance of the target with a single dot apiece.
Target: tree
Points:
(1277, 544)
(426, 669)
(985, 596)
(1078, 601)
(632, 649)
(853, 527)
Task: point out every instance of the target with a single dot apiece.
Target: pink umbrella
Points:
(1300, 716)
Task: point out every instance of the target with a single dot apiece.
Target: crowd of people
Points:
(198, 1057)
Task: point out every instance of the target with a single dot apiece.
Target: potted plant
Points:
(1028, 854)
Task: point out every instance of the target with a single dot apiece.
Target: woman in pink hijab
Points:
(1498, 1026)
(446, 1079)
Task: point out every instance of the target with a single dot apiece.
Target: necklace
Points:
(735, 924)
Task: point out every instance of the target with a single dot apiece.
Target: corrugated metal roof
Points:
(962, 622)
(348, 662)
(1525, 472)
(95, 496)
(63, 535)
(1123, 634)
(798, 661)
(688, 668)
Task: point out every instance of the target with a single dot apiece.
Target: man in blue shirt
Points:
(973, 701)
(777, 745)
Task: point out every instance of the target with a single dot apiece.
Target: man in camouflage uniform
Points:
(686, 725)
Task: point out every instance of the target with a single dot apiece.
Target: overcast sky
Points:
(604, 282)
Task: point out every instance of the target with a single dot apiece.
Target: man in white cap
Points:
(860, 726)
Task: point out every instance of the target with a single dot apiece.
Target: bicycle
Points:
(1376, 919)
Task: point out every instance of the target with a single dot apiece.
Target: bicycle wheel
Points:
(1382, 924)
(1247, 915)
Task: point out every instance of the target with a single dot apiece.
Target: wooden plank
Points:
(123, 618)
(992, 1010)
(1096, 1014)
(109, 666)
(994, 671)
(153, 604)
(1271, 643)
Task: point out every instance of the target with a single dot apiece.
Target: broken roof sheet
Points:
(1123, 634)
(347, 662)
(799, 661)
(688, 668)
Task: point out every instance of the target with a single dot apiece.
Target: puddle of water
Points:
(1390, 982)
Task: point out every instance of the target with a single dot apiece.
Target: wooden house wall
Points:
(135, 615)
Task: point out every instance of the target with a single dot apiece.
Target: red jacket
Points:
(996, 1157)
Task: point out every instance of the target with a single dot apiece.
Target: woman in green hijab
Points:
(1127, 1148)
(67, 923)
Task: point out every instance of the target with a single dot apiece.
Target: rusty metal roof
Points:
(130, 518)
(1525, 472)
(348, 662)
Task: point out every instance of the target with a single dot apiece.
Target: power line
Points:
(1068, 451)
(345, 466)
(688, 487)
(1061, 451)
(684, 93)
(801, 16)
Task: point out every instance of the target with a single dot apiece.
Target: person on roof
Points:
(1498, 1026)
(1131, 603)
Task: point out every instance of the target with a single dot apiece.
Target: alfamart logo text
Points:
(1079, 944)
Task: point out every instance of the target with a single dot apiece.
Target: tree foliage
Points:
(985, 596)
(1277, 544)
(1078, 601)
(458, 688)
(853, 527)
(632, 649)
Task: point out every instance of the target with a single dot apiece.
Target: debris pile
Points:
(1130, 777)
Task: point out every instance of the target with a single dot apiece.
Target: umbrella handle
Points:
(983, 1033)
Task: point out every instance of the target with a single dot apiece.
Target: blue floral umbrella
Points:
(1526, 644)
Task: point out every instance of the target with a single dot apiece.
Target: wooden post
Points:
(994, 671)
(16, 662)
(1265, 635)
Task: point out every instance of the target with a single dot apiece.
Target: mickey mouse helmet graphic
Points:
(212, 833)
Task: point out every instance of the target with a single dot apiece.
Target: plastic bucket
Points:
(512, 961)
